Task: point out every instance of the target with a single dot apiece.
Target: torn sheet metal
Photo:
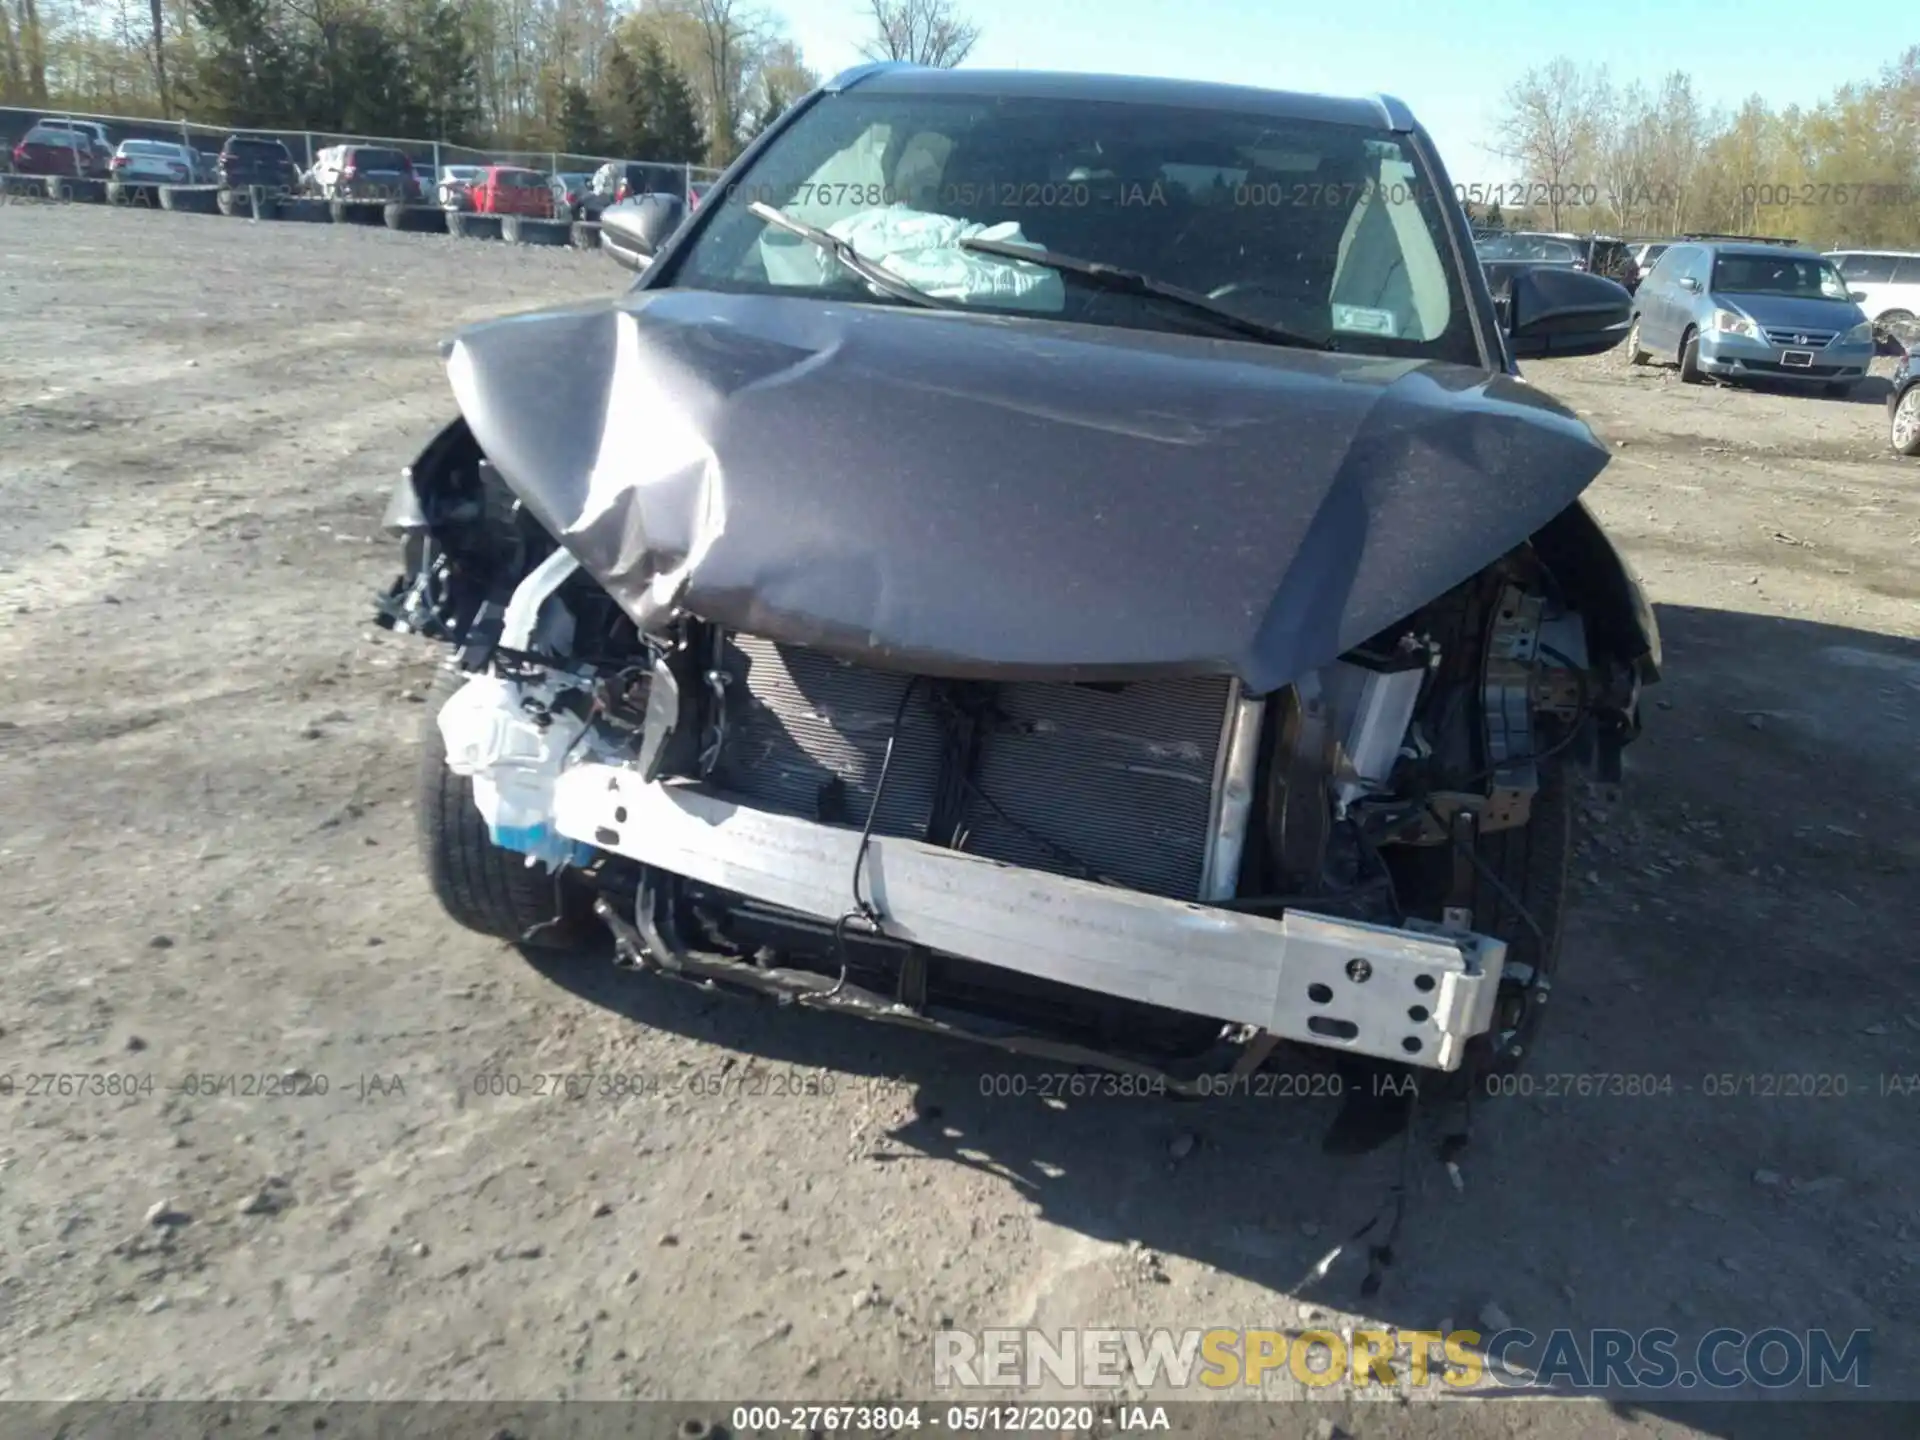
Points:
(988, 497)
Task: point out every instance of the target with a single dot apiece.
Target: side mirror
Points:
(1687, 282)
(1555, 311)
(1857, 296)
(633, 232)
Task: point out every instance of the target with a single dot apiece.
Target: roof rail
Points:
(853, 75)
(1398, 116)
(1742, 239)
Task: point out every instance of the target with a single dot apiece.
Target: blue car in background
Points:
(1749, 311)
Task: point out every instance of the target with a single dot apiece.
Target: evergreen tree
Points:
(626, 112)
(674, 115)
(444, 71)
(248, 73)
(580, 129)
(650, 112)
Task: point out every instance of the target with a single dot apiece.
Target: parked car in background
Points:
(1740, 310)
(513, 190)
(623, 180)
(570, 190)
(1596, 254)
(1530, 246)
(246, 160)
(1888, 284)
(364, 172)
(54, 148)
(1646, 253)
(1610, 256)
(1903, 404)
(95, 148)
(453, 187)
(159, 162)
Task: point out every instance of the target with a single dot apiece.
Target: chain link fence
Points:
(428, 156)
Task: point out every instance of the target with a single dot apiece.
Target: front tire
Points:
(479, 884)
(1635, 355)
(1905, 429)
(1690, 371)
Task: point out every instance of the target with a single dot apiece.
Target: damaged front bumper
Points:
(1416, 994)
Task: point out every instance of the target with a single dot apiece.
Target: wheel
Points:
(478, 884)
(1690, 371)
(1906, 422)
(1635, 355)
(1527, 864)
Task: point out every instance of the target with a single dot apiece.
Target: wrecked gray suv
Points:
(1060, 560)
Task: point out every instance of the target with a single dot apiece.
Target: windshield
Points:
(1800, 277)
(148, 147)
(1328, 231)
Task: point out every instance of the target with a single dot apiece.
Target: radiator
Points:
(1112, 782)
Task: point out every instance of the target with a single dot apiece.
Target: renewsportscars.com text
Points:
(1560, 1361)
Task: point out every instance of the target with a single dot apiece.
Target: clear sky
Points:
(1449, 61)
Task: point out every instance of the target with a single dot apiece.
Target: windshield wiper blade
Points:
(851, 259)
(1132, 282)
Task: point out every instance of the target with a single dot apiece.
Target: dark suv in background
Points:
(1595, 254)
(616, 181)
(1606, 255)
(250, 160)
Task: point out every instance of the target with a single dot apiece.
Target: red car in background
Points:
(512, 190)
(53, 149)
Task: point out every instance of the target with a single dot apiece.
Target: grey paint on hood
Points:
(986, 497)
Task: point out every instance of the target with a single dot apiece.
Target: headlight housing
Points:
(1860, 334)
(1728, 322)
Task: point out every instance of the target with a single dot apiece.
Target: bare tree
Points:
(1548, 127)
(33, 48)
(12, 83)
(160, 57)
(733, 34)
(921, 32)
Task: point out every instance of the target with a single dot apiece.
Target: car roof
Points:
(1374, 112)
(1857, 250)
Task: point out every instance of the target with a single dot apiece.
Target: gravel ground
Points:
(206, 869)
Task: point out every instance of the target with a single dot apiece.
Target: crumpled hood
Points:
(985, 497)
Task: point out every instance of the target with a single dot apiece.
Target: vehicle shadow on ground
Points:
(1870, 390)
(1731, 918)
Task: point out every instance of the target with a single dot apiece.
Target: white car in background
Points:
(1887, 283)
(453, 189)
(156, 162)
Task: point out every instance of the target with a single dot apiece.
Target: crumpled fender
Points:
(987, 497)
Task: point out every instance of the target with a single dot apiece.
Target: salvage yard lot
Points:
(206, 870)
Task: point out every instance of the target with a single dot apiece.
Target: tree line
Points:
(676, 80)
(1595, 155)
